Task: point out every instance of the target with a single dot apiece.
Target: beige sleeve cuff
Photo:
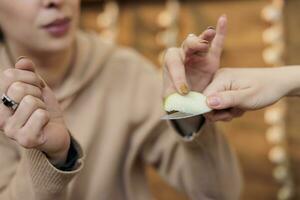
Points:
(45, 176)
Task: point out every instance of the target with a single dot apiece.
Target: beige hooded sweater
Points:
(112, 106)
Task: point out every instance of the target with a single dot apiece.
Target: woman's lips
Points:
(58, 28)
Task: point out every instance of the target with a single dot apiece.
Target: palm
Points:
(200, 73)
(192, 66)
(200, 69)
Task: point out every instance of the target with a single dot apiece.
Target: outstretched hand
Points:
(234, 91)
(192, 66)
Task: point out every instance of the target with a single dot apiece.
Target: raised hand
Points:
(37, 122)
(192, 66)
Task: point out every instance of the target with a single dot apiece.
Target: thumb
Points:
(49, 98)
(27, 64)
(24, 63)
(226, 99)
(51, 102)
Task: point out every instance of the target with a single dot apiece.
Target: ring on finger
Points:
(8, 102)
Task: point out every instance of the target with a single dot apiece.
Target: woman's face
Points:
(40, 25)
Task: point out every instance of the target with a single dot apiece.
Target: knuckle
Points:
(42, 114)
(26, 142)
(38, 92)
(17, 87)
(9, 73)
(6, 128)
(9, 131)
(29, 100)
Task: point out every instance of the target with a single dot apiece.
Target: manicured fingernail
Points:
(20, 58)
(184, 89)
(214, 101)
(211, 27)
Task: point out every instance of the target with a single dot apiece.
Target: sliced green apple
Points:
(192, 103)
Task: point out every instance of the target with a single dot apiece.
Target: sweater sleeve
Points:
(200, 165)
(27, 174)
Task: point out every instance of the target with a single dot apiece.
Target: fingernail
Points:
(211, 27)
(20, 58)
(214, 101)
(184, 89)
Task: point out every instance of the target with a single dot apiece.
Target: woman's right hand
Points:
(38, 122)
(24, 87)
(234, 90)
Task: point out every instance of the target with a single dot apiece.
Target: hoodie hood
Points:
(91, 57)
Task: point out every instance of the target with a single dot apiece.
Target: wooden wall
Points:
(292, 35)
(243, 48)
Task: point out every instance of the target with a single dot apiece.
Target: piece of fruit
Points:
(192, 103)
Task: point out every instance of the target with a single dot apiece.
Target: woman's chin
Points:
(56, 44)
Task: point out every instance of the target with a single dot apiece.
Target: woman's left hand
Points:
(192, 66)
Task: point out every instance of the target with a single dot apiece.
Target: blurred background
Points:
(262, 33)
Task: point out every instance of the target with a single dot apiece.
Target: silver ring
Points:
(8, 102)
